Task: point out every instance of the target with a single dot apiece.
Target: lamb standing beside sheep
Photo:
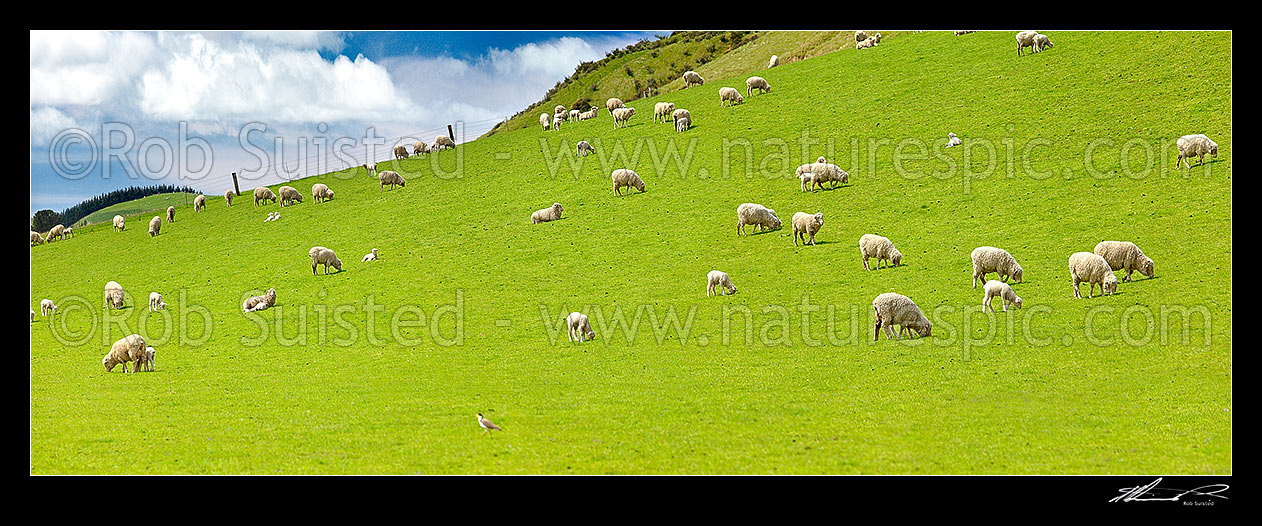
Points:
(621, 116)
(556, 122)
(127, 349)
(998, 260)
(263, 193)
(716, 279)
(580, 327)
(389, 177)
(756, 83)
(583, 148)
(290, 195)
(1041, 42)
(320, 192)
(551, 213)
(119, 223)
(151, 356)
(761, 217)
(806, 224)
(155, 302)
(822, 172)
(683, 123)
(1195, 145)
(155, 226)
(691, 77)
(113, 295)
(574, 115)
(893, 308)
(729, 96)
(199, 203)
(1003, 291)
(623, 177)
(321, 255)
(257, 303)
(1124, 255)
(880, 248)
(662, 111)
(69, 234)
(1085, 266)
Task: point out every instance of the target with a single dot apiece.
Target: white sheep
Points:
(613, 104)
(876, 38)
(574, 115)
(871, 42)
(69, 234)
(893, 308)
(155, 226)
(289, 194)
(155, 302)
(418, 148)
(321, 255)
(589, 114)
(775, 61)
(1085, 266)
(257, 303)
(662, 111)
(808, 180)
(583, 148)
(320, 192)
(756, 83)
(628, 178)
(36, 238)
(127, 349)
(1195, 145)
(56, 232)
(558, 109)
(621, 116)
(675, 115)
(691, 77)
(151, 356)
(1124, 255)
(1041, 42)
(556, 122)
(370, 168)
(263, 193)
(371, 256)
(119, 224)
(998, 260)
(729, 96)
(1003, 291)
(761, 217)
(390, 177)
(952, 140)
(228, 195)
(718, 281)
(113, 295)
(170, 214)
(860, 36)
(270, 217)
(580, 327)
(879, 248)
(46, 307)
(443, 141)
(400, 152)
(199, 203)
(805, 224)
(551, 213)
(823, 172)
(683, 123)
(1025, 38)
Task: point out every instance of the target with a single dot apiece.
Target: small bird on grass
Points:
(487, 425)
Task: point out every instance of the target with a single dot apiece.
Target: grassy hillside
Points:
(381, 368)
(152, 203)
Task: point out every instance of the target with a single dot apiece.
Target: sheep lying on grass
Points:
(998, 260)
(371, 256)
(1003, 291)
(551, 213)
(896, 309)
(623, 177)
(1124, 255)
(880, 248)
(155, 302)
(321, 255)
(1085, 266)
(257, 303)
(952, 140)
(580, 327)
(126, 349)
(805, 224)
(718, 281)
(761, 217)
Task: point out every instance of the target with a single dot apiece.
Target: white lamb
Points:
(155, 302)
(257, 303)
(1195, 146)
(805, 224)
(896, 309)
(729, 97)
(1041, 42)
(682, 124)
(580, 327)
(775, 61)
(1085, 266)
(880, 248)
(583, 148)
(574, 115)
(952, 140)
(621, 116)
(151, 357)
(761, 217)
(1003, 291)
(46, 307)
(718, 281)
(556, 121)
(998, 260)
(371, 256)
(662, 111)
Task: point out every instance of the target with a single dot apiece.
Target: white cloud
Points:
(86, 67)
(47, 122)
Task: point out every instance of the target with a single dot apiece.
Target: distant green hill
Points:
(156, 202)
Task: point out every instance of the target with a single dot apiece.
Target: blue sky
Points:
(136, 108)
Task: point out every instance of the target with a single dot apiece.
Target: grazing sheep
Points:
(628, 178)
(580, 327)
(155, 302)
(551, 213)
(716, 279)
(558, 109)
(761, 217)
(556, 122)
(320, 192)
(151, 356)
(69, 234)
(682, 124)
(1085, 266)
(952, 140)
(583, 148)
(574, 115)
(959, 32)
(36, 239)
(756, 83)
(880, 248)
(806, 224)
(199, 203)
(729, 96)
(860, 36)
(613, 104)
(443, 141)
(998, 260)
(170, 214)
(400, 152)
(113, 295)
(228, 195)
(691, 77)
(544, 121)
(289, 194)
(257, 303)
(823, 172)
(47, 307)
(775, 61)
(1041, 42)
(1025, 38)
(119, 223)
(56, 232)
(263, 193)
(371, 256)
(893, 308)
(1003, 291)
(1125, 255)
(1195, 145)
(621, 116)
(675, 115)
(155, 225)
(389, 177)
(126, 349)
(321, 255)
(662, 111)
(418, 148)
